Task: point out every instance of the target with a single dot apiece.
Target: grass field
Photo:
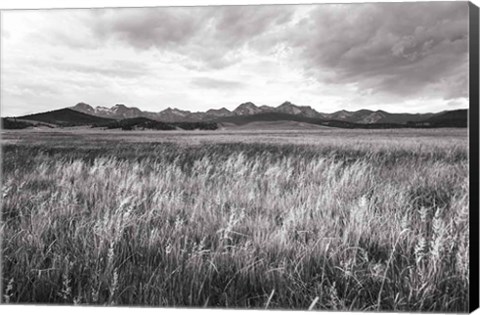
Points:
(321, 219)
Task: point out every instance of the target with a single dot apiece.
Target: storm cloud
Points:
(397, 48)
(408, 56)
(211, 36)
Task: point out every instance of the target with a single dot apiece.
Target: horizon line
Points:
(231, 110)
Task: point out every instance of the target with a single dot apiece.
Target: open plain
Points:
(328, 219)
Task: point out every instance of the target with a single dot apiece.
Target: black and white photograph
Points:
(259, 157)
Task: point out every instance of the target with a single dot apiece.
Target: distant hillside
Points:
(142, 123)
(275, 116)
(136, 123)
(12, 123)
(455, 119)
(66, 117)
(389, 118)
(272, 125)
(196, 125)
(365, 116)
(269, 116)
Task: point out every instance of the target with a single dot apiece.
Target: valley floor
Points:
(320, 136)
(294, 219)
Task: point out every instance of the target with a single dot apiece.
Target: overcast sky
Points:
(399, 57)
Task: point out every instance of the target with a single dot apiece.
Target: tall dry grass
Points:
(237, 225)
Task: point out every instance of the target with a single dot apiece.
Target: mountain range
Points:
(363, 116)
(122, 116)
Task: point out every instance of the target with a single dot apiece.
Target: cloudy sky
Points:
(399, 57)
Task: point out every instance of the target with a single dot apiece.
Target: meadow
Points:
(321, 219)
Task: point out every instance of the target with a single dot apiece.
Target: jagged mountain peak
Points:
(175, 110)
(290, 108)
(83, 106)
(246, 105)
(119, 108)
(220, 110)
(247, 108)
(364, 111)
(123, 107)
(287, 103)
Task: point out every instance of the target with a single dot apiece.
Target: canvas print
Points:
(295, 157)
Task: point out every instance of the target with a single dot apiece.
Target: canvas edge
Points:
(474, 153)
